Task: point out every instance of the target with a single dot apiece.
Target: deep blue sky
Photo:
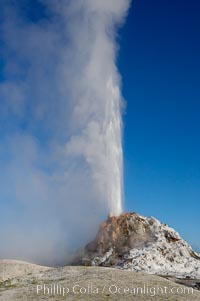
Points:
(160, 65)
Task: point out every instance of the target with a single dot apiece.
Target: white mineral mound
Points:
(138, 243)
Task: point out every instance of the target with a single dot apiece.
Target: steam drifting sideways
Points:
(61, 156)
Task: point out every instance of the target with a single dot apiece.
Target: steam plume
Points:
(61, 153)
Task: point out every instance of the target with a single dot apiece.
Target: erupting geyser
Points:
(64, 155)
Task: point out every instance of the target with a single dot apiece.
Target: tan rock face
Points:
(127, 230)
(121, 233)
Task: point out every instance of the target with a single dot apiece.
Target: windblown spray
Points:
(64, 159)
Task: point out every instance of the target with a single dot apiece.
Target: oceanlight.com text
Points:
(110, 289)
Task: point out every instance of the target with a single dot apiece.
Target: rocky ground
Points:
(22, 281)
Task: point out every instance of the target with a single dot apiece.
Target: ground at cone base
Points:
(19, 281)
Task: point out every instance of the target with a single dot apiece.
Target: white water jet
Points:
(100, 133)
(100, 143)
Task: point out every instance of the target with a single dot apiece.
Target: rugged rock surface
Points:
(138, 243)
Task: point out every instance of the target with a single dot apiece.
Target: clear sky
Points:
(160, 65)
(159, 61)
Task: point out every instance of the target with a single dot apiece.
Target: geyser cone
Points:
(134, 242)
